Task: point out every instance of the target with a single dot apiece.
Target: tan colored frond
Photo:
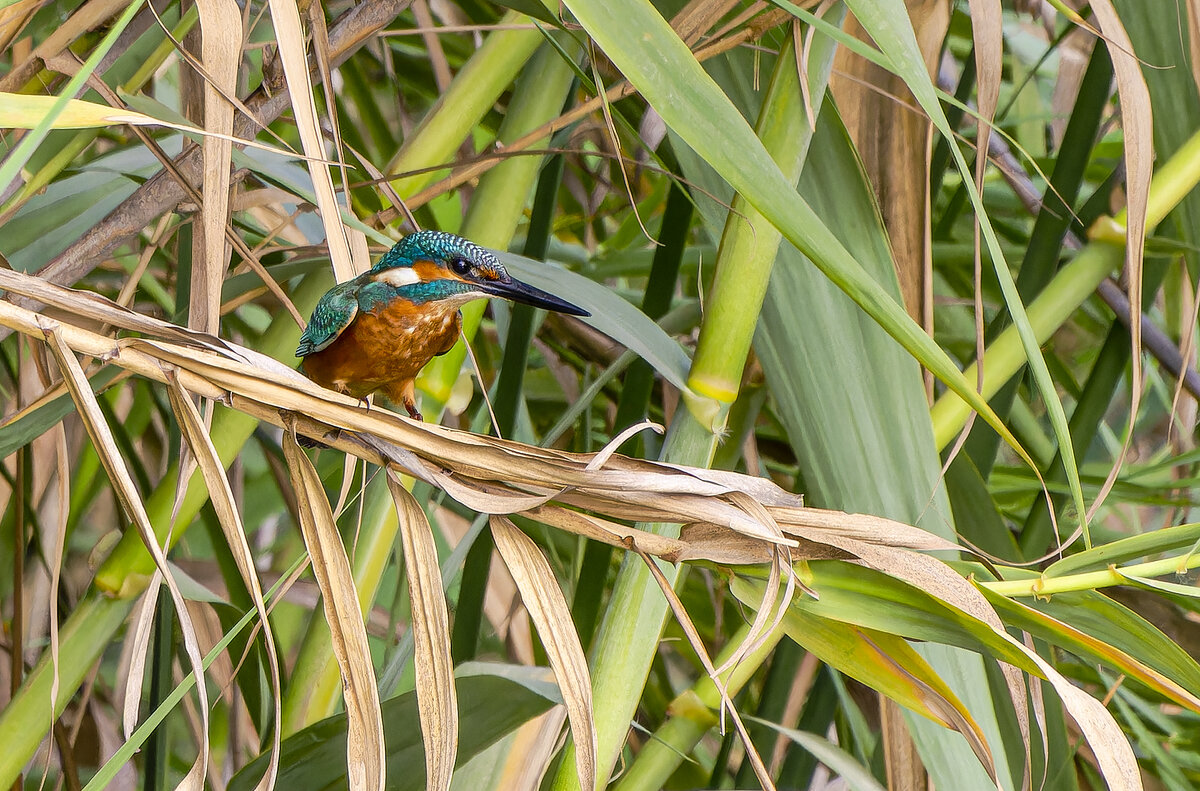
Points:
(437, 702)
(331, 567)
(127, 492)
(221, 493)
(552, 617)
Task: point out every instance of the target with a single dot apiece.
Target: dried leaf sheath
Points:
(552, 617)
(436, 699)
(364, 733)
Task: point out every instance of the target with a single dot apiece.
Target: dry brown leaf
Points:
(1138, 126)
(364, 720)
(862, 527)
(550, 614)
(290, 35)
(138, 638)
(96, 307)
(437, 702)
(221, 494)
(220, 21)
(63, 473)
(13, 19)
(611, 533)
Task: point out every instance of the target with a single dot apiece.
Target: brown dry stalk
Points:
(487, 474)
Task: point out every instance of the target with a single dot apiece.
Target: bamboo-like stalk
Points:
(475, 88)
(692, 715)
(629, 633)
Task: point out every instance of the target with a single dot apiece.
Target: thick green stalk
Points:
(125, 573)
(633, 621)
(474, 90)
(1073, 284)
(692, 716)
(744, 260)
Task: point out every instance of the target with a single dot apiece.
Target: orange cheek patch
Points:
(428, 270)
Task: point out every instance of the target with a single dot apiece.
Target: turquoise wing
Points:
(333, 314)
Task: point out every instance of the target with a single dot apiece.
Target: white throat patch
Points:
(398, 276)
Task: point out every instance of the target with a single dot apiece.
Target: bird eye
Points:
(460, 266)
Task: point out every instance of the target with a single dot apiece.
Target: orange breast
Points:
(384, 346)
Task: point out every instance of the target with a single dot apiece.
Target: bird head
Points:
(433, 265)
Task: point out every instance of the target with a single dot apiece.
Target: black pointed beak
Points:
(524, 293)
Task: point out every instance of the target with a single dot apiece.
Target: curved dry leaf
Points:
(290, 36)
(706, 541)
(220, 21)
(1113, 753)
(764, 490)
(138, 640)
(364, 720)
(1138, 127)
(437, 702)
(611, 533)
(97, 307)
(63, 473)
(861, 527)
(487, 499)
(552, 617)
(604, 454)
(221, 494)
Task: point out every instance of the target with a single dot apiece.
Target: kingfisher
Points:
(376, 331)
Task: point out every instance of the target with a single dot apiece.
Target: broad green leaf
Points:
(873, 600)
(888, 24)
(612, 315)
(24, 111)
